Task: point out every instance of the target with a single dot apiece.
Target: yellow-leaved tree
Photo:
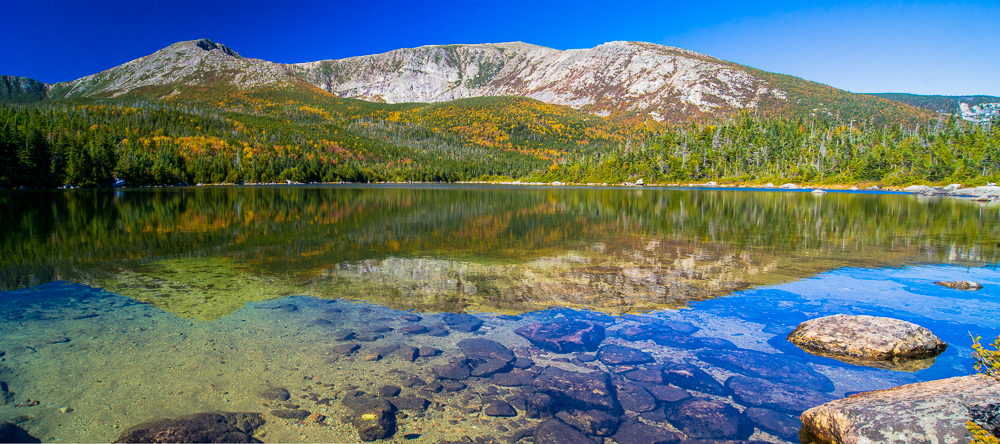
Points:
(988, 365)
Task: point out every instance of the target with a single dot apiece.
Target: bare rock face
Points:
(857, 339)
(932, 411)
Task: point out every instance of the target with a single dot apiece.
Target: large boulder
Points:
(564, 337)
(932, 411)
(867, 340)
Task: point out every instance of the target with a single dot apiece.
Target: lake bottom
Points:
(84, 365)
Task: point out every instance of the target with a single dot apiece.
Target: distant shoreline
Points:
(981, 193)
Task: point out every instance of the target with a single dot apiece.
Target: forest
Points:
(260, 140)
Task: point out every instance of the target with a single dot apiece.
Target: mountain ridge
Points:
(620, 79)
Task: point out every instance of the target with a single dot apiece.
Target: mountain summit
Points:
(178, 67)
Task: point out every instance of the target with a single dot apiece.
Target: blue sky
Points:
(921, 48)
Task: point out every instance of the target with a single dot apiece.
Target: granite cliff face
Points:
(613, 78)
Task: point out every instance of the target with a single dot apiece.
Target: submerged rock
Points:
(462, 322)
(276, 394)
(932, 411)
(635, 432)
(564, 337)
(666, 393)
(780, 424)
(410, 403)
(692, 378)
(514, 378)
(499, 407)
(961, 285)
(619, 355)
(633, 397)
(455, 371)
(10, 432)
(581, 390)
(784, 397)
(295, 414)
(707, 418)
(591, 422)
(556, 432)
(199, 427)
(866, 338)
(374, 425)
(772, 367)
(485, 349)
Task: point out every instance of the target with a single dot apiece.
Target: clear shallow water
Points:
(215, 296)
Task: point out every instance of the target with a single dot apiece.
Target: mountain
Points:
(184, 67)
(631, 80)
(614, 79)
(22, 90)
(972, 108)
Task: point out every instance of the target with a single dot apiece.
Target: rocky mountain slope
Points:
(618, 79)
(22, 89)
(180, 67)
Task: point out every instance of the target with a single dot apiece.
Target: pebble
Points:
(373, 357)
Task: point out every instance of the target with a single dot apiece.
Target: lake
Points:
(450, 312)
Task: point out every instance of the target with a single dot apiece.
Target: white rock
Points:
(789, 186)
(818, 192)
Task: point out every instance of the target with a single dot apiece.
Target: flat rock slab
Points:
(866, 338)
(574, 389)
(564, 337)
(777, 368)
(199, 427)
(783, 397)
(925, 412)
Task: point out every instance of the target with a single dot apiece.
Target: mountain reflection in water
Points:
(205, 252)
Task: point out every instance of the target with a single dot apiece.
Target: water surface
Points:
(130, 305)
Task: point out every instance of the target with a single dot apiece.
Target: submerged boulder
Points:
(199, 427)
(866, 338)
(564, 337)
(933, 411)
